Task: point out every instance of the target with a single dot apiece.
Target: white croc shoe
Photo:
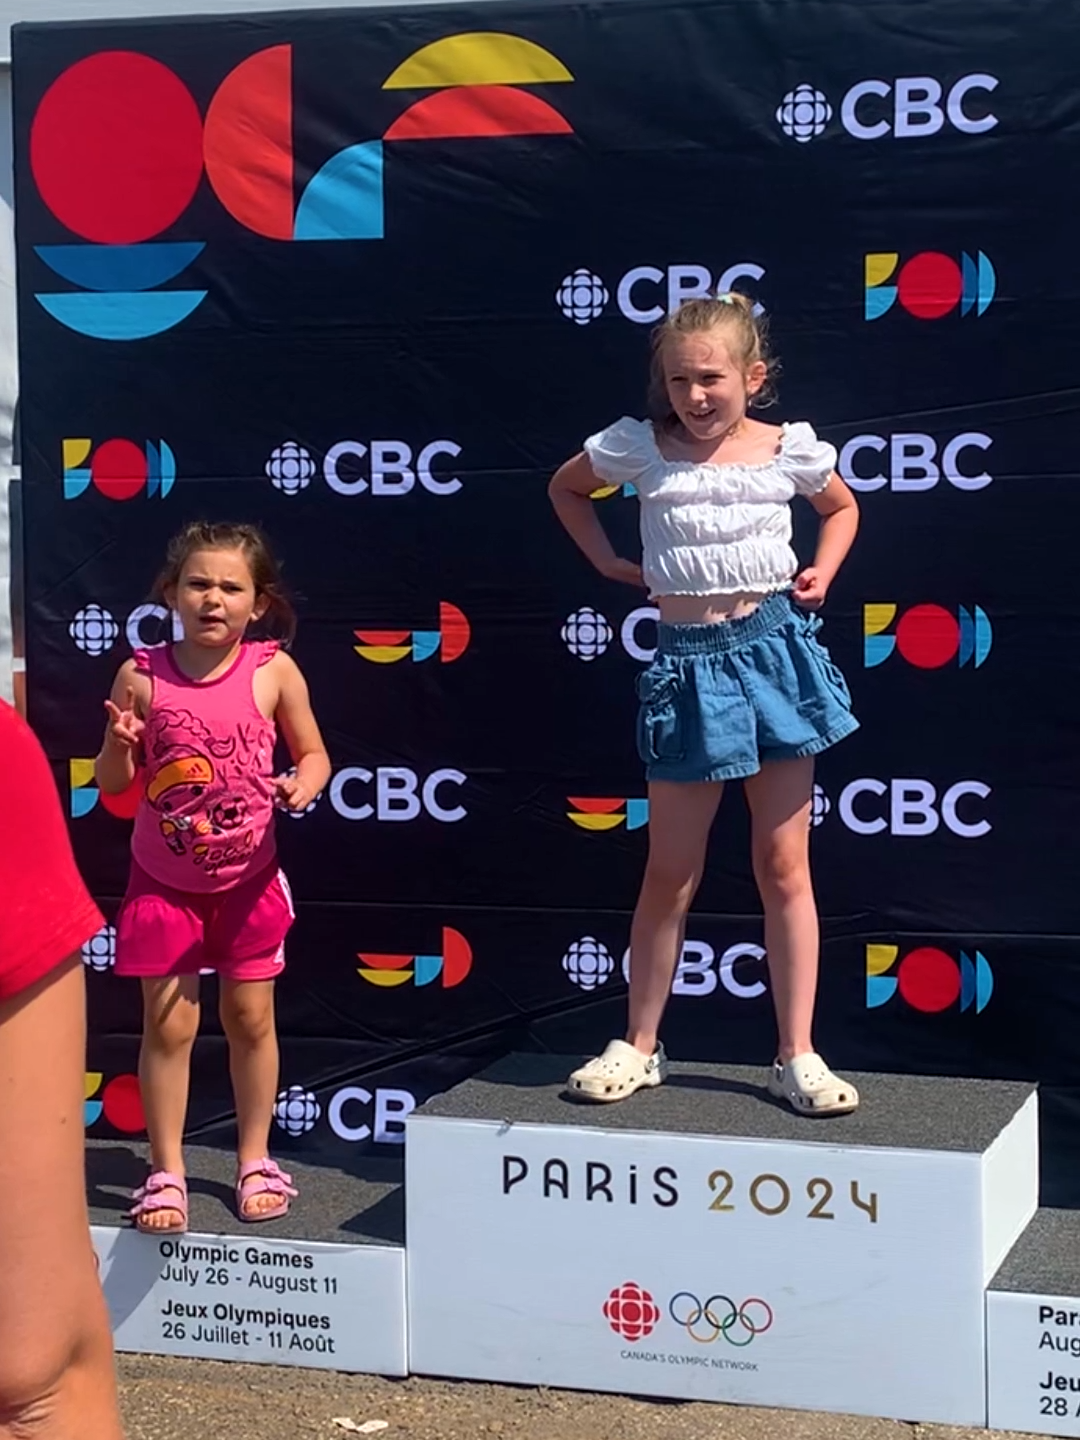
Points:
(810, 1087)
(618, 1072)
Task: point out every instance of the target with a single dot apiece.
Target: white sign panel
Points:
(280, 1302)
(750, 1271)
(1033, 1363)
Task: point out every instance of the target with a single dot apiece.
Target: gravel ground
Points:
(166, 1399)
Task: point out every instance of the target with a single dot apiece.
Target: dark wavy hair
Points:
(280, 618)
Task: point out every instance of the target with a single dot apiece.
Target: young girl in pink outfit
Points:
(196, 723)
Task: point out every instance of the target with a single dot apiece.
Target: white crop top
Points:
(713, 529)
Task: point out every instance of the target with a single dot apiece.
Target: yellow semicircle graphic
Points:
(596, 822)
(387, 978)
(478, 57)
(383, 654)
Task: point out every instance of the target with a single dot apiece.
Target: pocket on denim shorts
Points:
(830, 672)
(825, 665)
(660, 734)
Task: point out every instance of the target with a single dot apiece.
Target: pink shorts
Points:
(240, 933)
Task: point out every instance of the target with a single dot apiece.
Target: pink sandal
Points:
(150, 1198)
(263, 1177)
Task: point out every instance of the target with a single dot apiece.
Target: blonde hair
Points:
(746, 335)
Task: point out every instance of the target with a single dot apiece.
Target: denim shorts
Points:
(721, 700)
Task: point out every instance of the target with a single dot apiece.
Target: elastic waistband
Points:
(726, 635)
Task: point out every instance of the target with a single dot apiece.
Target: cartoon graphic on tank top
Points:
(206, 815)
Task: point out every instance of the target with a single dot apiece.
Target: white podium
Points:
(322, 1288)
(1033, 1330)
(700, 1241)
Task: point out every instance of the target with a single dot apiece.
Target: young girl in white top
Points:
(740, 688)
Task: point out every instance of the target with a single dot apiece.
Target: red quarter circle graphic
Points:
(116, 148)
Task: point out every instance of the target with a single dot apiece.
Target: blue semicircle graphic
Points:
(120, 267)
(125, 315)
(344, 201)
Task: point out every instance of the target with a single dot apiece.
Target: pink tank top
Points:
(206, 817)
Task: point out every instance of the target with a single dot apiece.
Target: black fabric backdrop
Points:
(449, 328)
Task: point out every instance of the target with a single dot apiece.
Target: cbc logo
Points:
(589, 964)
(910, 808)
(700, 971)
(909, 461)
(99, 952)
(296, 1110)
(647, 293)
(394, 793)
(587, 634)
(351, 467)
(912, 106)
(95, 630)
(355, 1114)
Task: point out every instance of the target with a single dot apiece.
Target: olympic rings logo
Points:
(719, 1315)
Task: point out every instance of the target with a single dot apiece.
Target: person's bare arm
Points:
(569, 491)
(300, 731)
(56, 1369)
(118, 758)
(839, 511)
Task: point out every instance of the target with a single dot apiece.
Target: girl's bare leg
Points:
(680, 818)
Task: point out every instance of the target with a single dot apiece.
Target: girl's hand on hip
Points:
(810, 589)
(625, 571)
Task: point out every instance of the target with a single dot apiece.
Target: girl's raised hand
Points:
(125, 727)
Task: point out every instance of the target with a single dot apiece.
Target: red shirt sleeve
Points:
(46, 912)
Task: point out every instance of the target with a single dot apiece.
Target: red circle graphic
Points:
(928, 636)
(118, 469)
(116, 147)
(929, 980)
(123, 1105)
(930, 285)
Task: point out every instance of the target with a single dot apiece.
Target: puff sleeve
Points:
(621, 454)
(807, 461)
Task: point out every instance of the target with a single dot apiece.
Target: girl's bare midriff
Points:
(706, 609)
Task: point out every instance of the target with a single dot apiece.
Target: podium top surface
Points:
(363, 1208)
(906, 1112)
(1046, 1258)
